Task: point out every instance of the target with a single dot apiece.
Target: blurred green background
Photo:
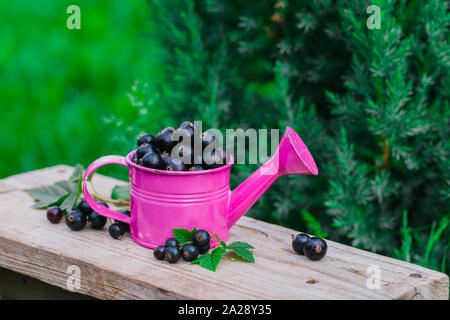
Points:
(371, 105)
(56, 84)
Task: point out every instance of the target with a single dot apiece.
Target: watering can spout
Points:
(291, 157)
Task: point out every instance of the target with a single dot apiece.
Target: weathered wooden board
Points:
(16, 286)
(112, 269)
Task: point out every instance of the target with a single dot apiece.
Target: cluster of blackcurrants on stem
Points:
(175, 150)
(312, 247)
(171, 251)
(83, 215)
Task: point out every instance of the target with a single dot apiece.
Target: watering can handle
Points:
(97, 207)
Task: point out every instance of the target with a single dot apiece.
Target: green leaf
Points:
(121, 193)
(48, 201)
(211, 260)
(75, 184)
(63, 193)
(50, 195)
(242, 250)
(240, 244)
(183, 235)
(77, 174)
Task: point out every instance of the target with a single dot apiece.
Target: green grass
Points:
(57, 84)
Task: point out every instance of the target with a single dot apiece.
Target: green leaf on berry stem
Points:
(62, 193)
(242, 250)
(211, 260)
(183, 235)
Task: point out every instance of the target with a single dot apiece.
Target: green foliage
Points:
(56, 84)
(242, 249)
(371, 105)
(211, 260)
(183, 235)
(313, 225)
(405, 252)
(435, 246)
(63, 193)
(121, 192)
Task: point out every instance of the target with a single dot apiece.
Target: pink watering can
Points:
(163, 200)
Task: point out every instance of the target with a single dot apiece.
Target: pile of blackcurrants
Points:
(313, 247)
(174, 150)
(171, 251)
(83, 215)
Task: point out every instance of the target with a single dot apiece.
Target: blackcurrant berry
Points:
(184, 135)
(197, 167)
(85, 208)
(125, 211)
(204, 249)
(116, 230)
(166, 158)
(145, 139)
(96, 220)
(315, 248)
(176, 165)
(298, 242)
(201, 238)
(126, 226)
(189, 252)
(207, 139)
(144, 149)
(54, 214)
(152, 160)
(164, 140)
(187, 124)
(159, 252)
(184, 153)
(76, 220)
(172, 254)
(215, 159)
(192, 128)
(171, 242)
(103, 204)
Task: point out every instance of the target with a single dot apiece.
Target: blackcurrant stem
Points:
(215, 236)
(97, 197)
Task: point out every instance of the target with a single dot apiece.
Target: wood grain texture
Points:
(112, 269)
(16, 286)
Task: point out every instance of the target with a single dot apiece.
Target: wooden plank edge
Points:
(98, 282)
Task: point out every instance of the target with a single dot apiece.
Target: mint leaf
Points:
(211, 260)
(242, 250)
(121, 193)
(183, 235)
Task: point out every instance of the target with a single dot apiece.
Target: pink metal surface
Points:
(162, 200)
